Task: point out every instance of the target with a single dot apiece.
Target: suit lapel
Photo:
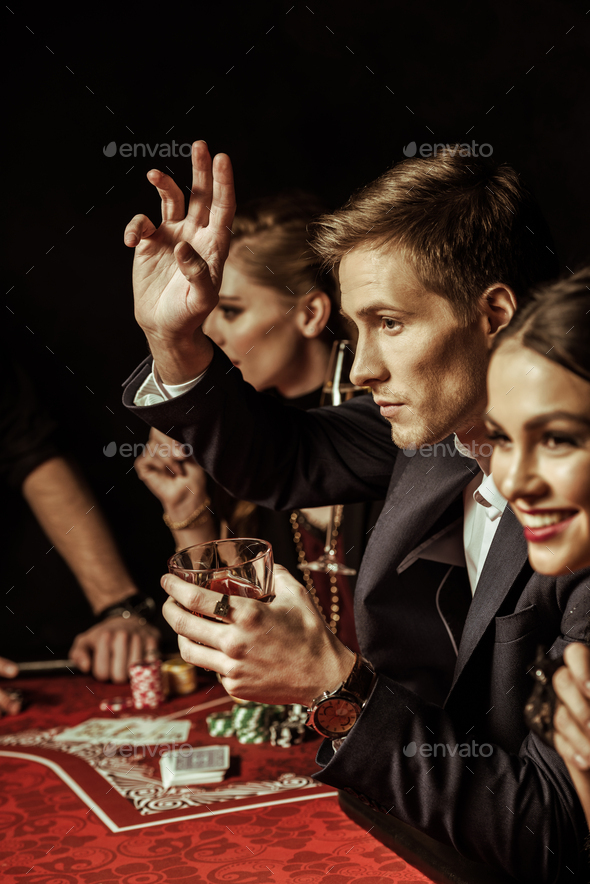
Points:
(506, 559)
(421, 489)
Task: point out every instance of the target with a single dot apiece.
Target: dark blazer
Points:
(512, 805)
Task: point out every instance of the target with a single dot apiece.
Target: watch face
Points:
(336, 716)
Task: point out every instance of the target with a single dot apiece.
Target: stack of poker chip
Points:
(249, 722)
(220, 724)
(178, 677)
(146, 685)
(290, 731)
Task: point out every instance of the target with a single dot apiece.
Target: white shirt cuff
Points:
(154, 390)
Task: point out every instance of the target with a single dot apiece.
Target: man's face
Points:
(425, 368)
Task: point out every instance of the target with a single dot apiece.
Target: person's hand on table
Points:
(571, 720)
(110, 647)
(280, 652)
(173, 476)
(178, 266)
(8, 705)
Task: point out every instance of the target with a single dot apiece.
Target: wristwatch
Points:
(334, 713)
(138, 605)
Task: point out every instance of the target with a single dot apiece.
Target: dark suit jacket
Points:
(512, 805)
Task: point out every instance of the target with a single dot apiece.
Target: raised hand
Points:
(178, 266)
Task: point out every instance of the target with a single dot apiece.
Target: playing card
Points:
(133, 731)
(205, 764)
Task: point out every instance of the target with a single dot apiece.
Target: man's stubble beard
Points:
(416, 437)
(466, 413)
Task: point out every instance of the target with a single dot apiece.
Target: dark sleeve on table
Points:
(519, 813)
(275, 455)
(26, 431)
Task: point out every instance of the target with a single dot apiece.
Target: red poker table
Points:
(73, 813)
(69, 814)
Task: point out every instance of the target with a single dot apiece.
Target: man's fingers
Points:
(577, 658)
(223, 207)
(8, 669)
(135, 651)
(119, 656)
(199, 599)
(193, 627)
(80, 655)
(199, 206)
(101, 648)
(191, 265)
(150, 647)
(170, 194)
(201, 655)
(140, 227)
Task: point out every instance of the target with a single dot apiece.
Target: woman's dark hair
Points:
(556, 323)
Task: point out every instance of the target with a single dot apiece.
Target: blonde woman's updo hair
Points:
(270, 244)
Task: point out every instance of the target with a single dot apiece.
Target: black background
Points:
(323, 97)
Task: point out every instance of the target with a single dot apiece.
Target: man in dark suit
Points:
(433, 258)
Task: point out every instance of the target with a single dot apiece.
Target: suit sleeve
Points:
(261, 450)
(517, 811)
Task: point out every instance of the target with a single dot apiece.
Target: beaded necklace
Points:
(297, 519)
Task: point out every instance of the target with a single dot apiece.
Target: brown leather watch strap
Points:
(360, 681)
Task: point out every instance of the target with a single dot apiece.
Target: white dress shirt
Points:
(483, 506)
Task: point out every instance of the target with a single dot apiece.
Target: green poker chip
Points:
(252, 723)
(220, 724)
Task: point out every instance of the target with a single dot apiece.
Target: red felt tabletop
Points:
(70, 813)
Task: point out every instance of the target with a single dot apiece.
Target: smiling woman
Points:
(539, 420)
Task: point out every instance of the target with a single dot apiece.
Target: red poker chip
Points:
(146, 685)
(117, 704)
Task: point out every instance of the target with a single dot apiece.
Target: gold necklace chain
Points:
(295, 520)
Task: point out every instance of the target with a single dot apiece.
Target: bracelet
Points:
(198, 517)
(137, 605)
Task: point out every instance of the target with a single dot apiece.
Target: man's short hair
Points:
(464, 223)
